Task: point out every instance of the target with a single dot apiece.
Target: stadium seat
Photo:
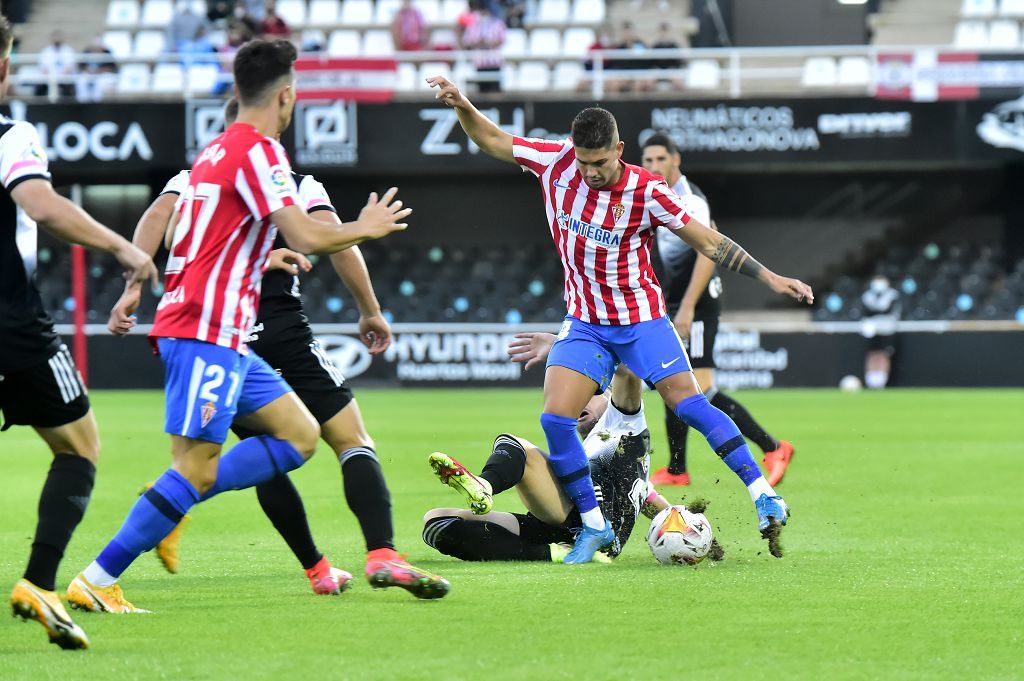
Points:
(202, 78)
(567, 76)
(119, 43)
(378, 43)
(157, 13)
(588, 12)
(1011, 8)
(199, 7)
(168, 78)
(313, 36)
(443, 37)
(450, 11)
(218, 37)
(407, 76)
(149, 44)
(854, 71)
(545, 42)
(509, 77)
(293, 12)
(430, 9)
(577, 41)
(356, 12)
(703, 74)
(133, 78)
(432, 68)
(344, 43)
(323, 12)
(977, 8)
(819, 72)
(534, 76)
(123, 14)
(970, 35)
(385, 11)
(1004, 34)
(552, 12)
(515, 43)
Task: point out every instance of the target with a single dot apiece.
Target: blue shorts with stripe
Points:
(206, 386)
(652, 350)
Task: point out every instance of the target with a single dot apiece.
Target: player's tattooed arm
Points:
(731, 256)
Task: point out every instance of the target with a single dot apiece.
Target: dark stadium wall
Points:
(796, 22)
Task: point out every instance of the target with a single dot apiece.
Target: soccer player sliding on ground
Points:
(602, 215)
(282, 336)
(239, 190)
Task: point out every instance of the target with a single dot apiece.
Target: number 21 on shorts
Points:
(209, 387)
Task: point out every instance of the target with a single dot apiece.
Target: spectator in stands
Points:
(97, 76)
(57, 60)
(513, 11)
(219, 10)
(252, 8)
(666, 41)
(881, 313)
(485, 37)
(185, 27)
(272, 25)
(409, 29)
(628, 40)
(238, 35)
(465, 20)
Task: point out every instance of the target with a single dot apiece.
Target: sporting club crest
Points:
(617, 210)
(207, 413)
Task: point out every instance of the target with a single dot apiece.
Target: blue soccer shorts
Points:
(652, 350)
(207, 386)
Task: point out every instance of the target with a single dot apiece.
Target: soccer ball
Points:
(679, 537)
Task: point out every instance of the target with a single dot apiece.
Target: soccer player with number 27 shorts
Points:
(603, 214)
(240, 193)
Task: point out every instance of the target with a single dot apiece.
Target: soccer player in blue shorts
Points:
(603, 214)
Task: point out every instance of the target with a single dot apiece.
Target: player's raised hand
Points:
(380, 217)
(794, 288)
(122, 315)
(375, 333)
(532, 348)
(138, 266)
(288, 260)
(447, 92)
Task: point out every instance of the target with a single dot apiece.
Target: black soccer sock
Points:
(677, 431)
(506, 465)
(62, 505)
(283, 505)
(479, 540)
(744, 421)
(368, 497)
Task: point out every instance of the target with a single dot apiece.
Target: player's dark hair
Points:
(230, 111)
(594, 128)
(661, 139)
(259, 65)
(6, 37)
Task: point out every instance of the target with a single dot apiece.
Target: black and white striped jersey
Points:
(27, 336)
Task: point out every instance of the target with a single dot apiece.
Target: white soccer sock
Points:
(876, 379)
(759, 487)
(97, 576)
(593, 519)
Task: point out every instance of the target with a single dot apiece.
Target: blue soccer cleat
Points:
(770, 509)
(588, 542)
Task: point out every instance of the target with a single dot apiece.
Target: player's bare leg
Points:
(682, 394)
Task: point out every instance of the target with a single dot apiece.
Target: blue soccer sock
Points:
(151, 519)
(253, 461)
(727, 441)
(569, 462)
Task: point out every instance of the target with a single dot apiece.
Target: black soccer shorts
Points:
(701, 345)
(47, 395)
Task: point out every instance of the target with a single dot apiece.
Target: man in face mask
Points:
(881, 313)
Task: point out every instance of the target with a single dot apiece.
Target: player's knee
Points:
(553, 423)
(304, 437)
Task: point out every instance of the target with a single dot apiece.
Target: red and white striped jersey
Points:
(223, 236)
(603, 236)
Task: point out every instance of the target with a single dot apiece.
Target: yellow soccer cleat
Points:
(29, 602)
(452, 473)
(167, 549)
(85, 596)
(560, 551)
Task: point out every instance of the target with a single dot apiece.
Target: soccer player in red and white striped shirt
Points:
(240, 192)
(603, 214)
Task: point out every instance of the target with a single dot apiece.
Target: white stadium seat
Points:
(854, 71)
(534, 76)
(385, 11)
(430, 9)
(703, 74)
(168, 78)
(567, 76)
(970, 35)
(819, 72)
(323, 12)
(149, 44)
(199, 7)
(378, 43)
(133, 78)
(432, 68)
(123, 14)
(313, 36)
(451, 9)
(293, 12)
(552, 12)
(545, 42)
(442, 37)
(218, 37)
(977, 8)
(407, 76)
(1011, 8)
(157, 13)
(509, 77)
(356, 12)
(515, 43)
(576, 42)
(119, 43)
(344, 43)
(588, 12)
(202, 78)
(1004, 34)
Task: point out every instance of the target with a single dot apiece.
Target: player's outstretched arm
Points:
(69, 223)
(482, 130)
(725, 252)
(307, 234)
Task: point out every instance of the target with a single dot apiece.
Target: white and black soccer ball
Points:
(679, 537)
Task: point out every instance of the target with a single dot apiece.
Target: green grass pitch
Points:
(904, 558)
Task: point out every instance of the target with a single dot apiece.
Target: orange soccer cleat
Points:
(777, 461)
(663, 477)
